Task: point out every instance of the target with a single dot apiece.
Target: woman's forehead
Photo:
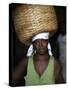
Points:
(44, 40)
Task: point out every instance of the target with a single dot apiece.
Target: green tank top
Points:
(32, 78)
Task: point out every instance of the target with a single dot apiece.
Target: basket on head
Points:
(30, 20)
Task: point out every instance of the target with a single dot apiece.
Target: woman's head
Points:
(40, 46)
(40, 42)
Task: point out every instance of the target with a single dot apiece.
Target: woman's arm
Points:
(19, 70)
(58, 73)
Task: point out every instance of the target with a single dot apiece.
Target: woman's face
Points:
(40, 45)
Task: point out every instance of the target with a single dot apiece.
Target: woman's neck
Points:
(41, 57)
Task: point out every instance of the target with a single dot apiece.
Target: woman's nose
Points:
(40, 43)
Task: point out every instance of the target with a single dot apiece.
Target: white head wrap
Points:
(39, 36)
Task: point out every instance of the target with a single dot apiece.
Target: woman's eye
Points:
(35, 41)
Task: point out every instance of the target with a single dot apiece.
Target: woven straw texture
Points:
(30, 20)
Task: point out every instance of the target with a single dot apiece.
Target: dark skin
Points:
(40, 61)
(41, 58)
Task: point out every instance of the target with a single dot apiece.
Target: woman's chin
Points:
(42, 53)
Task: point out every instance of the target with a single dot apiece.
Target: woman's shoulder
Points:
(25, 60)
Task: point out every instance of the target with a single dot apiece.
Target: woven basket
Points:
(30, 20)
